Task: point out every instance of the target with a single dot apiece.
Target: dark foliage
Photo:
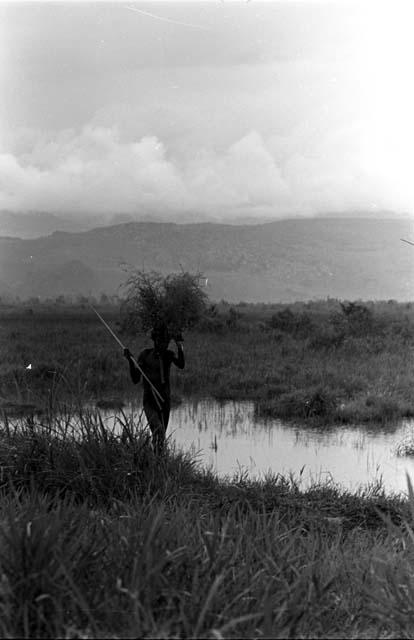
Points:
(296, 323)
(175, 301)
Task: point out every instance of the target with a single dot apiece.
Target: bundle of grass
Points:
(174, 302)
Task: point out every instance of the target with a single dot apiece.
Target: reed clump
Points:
(75, 453)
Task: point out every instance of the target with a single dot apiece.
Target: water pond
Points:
(229, 438)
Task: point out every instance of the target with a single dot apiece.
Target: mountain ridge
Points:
(282, 260)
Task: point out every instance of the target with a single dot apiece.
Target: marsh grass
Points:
(100, 538)
(75, 452)
(314, 362)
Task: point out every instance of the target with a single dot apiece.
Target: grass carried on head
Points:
(174, 302)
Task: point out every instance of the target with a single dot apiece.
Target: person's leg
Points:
(166, 415)
(156, 424)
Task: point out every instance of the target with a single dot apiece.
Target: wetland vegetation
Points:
(319, 361)
(100, 539)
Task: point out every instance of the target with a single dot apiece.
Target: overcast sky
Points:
(222, 109)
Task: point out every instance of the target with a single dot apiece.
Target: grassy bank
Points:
(322, 361)
(100, 539)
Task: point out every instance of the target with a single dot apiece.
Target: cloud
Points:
(274, 110)
(245, 175)
(97, 171)
(90, 172)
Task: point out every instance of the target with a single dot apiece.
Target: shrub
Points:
(211, 325)
(301, 403)
(300, 325)
(356, 318)
(233, 318)
(378, 409)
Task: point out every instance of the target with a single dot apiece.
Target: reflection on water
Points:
(229, 438)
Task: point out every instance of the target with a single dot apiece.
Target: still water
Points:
(229, 438)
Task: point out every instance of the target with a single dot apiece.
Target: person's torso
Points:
(156, 367)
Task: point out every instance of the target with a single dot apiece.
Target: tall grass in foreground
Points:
(98, 538)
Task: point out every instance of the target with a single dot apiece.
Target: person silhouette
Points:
(156, 364)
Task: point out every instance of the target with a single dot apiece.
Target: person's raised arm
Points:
(179, 359)
(134, 372)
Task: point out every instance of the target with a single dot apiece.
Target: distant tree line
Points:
(102, 299)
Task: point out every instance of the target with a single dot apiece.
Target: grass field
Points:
(309, 362)
(98, 538)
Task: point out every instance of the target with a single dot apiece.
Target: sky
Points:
(207, 110)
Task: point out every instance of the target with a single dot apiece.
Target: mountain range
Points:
(284, 260)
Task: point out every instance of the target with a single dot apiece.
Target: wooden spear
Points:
(157, 395)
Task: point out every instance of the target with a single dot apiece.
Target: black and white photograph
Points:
(207, 319)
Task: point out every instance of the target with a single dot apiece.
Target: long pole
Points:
(407, 241)
(157, 395)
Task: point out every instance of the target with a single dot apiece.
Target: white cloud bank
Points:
(275, 110)
(96, 171)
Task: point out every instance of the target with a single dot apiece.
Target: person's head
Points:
(161, 338)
